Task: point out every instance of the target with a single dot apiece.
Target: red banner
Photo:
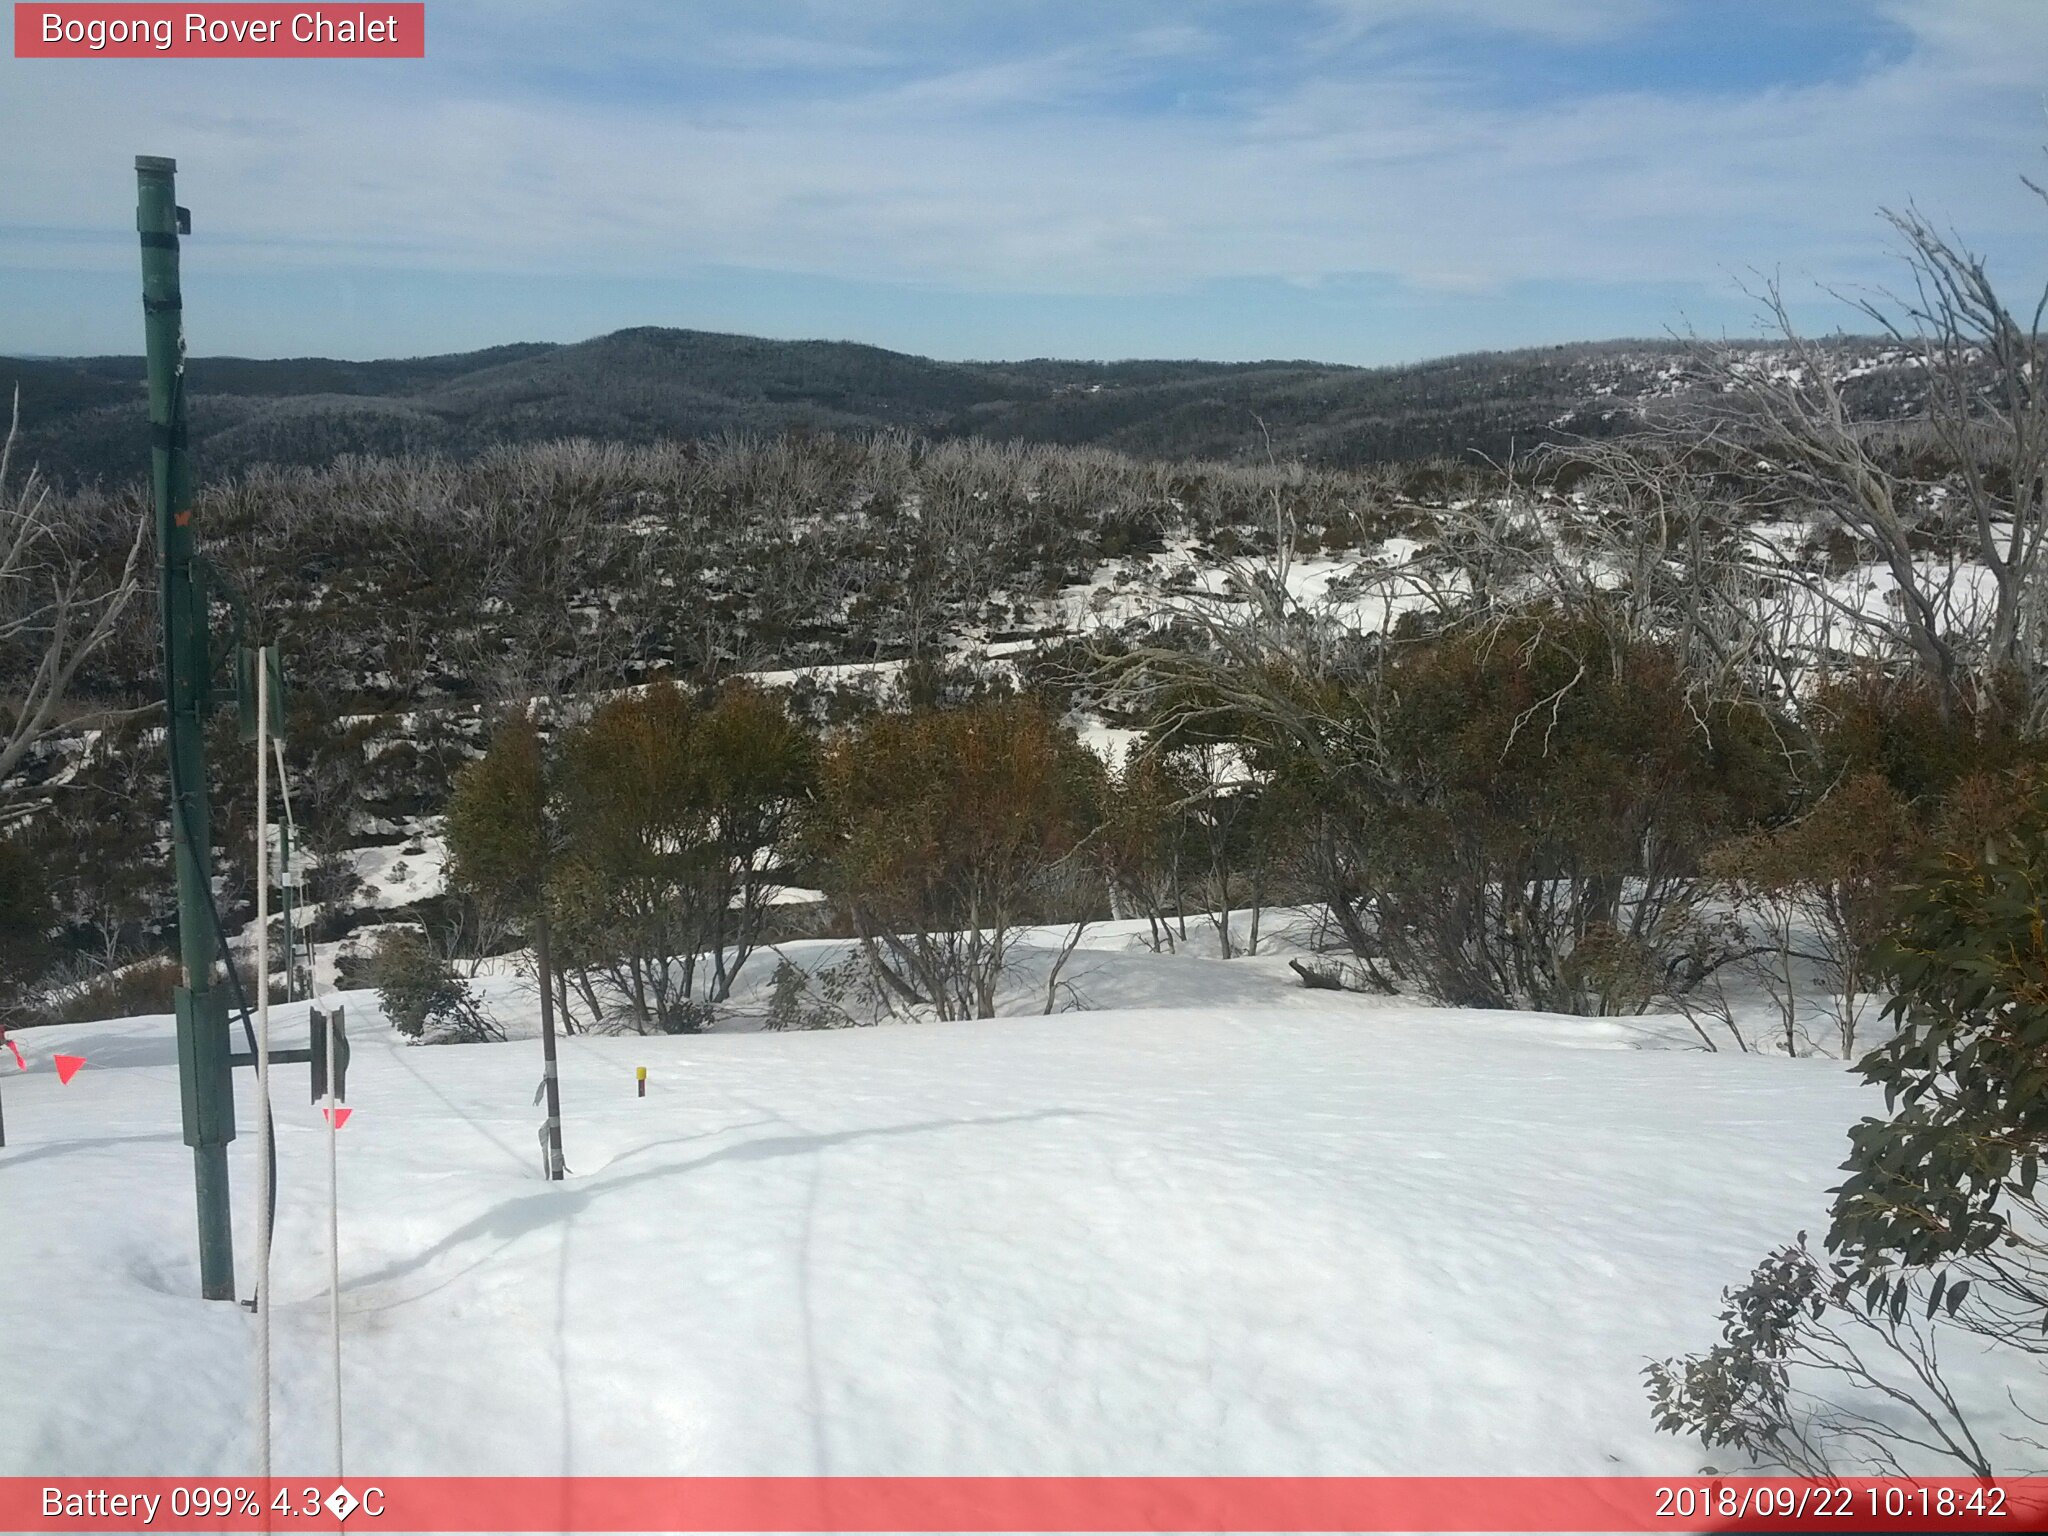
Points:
(263, 31)
(920, 1504)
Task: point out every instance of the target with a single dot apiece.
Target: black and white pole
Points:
(329, 1027)
(550, 1084)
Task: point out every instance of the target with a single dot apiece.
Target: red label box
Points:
(1846, 1506)
(261, 31)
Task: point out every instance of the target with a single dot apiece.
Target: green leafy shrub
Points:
(1939, 1226)
(1544, 782)
(676, 822)
(141, 987)
(1951, 1174)
(25, 923)
(422, 995)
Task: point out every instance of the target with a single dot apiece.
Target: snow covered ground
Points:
(1245, 1229)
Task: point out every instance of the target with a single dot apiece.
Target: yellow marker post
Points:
(640, 1075)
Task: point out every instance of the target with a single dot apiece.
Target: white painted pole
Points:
(263, 1057)
(330, 1029)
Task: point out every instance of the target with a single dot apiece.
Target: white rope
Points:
(263, 1057)
(326, 1022)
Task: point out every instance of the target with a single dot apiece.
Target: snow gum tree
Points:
(676, 824)
(1549, 782)
(1141, 846)
(1507, 806)
(1827, 880)
(1238, 821)
(500, 844)
(1889, 767)
(502, 847)
(939, 832)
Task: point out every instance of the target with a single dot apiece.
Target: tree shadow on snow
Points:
(14, 1157)
(510, 1220)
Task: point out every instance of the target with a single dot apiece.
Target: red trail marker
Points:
(67, 1066)
(20, 1065)
(340, 1112)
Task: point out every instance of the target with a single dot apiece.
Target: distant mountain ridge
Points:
(83, 417)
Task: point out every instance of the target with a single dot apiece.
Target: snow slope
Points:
(1262, 1231)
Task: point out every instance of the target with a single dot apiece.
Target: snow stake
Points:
(330, 1058)
(640, 1076)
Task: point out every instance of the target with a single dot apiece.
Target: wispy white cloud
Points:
(782, 51)
(1122, 158)
(1570, 20)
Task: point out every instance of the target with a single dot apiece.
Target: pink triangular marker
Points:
(340, 1114)
(67, 1066)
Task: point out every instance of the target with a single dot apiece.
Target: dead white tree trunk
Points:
(1983, 402)
(56, 610)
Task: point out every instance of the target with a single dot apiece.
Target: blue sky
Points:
(1354, 180)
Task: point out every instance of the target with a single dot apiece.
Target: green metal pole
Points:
(206, 1087)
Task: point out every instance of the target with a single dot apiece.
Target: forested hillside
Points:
(83, 417)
